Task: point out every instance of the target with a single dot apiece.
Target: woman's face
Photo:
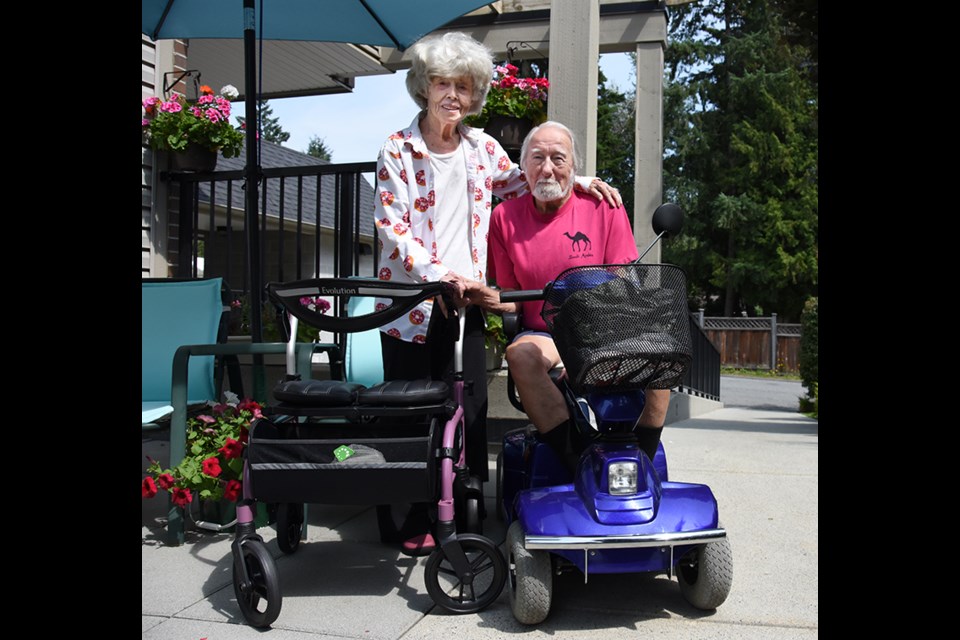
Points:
(449, 99)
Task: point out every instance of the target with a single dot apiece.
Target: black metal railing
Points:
(313, 220)
(703, 376)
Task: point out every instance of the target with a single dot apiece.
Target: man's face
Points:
(549, 166)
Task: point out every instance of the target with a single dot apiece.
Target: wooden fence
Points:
(754, 343)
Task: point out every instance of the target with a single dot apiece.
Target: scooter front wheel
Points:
(260, 600)
(531, 578)
(706, 575)
(489, 575)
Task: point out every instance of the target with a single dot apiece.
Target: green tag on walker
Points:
(343, 452)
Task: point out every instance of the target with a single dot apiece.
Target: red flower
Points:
(181, 497)
(233, 490)
(211, 467)
(148, 488)
(166, 481)
(231, 449)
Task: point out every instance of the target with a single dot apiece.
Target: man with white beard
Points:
(532, 239)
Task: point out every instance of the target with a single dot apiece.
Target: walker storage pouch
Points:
(377, 462)
(622, 326)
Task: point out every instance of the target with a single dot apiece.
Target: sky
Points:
(355, 125)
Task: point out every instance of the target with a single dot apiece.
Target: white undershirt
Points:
(452, 217)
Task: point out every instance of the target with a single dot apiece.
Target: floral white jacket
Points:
(404, 212)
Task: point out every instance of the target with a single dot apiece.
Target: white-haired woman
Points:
(435, 180)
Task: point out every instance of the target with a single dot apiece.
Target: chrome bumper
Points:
(625, 541)
(590, 544)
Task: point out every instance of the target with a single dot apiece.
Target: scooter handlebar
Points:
(525, 295)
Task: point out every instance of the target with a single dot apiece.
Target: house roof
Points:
(277, 156)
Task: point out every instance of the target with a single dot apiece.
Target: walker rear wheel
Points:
(289, 526)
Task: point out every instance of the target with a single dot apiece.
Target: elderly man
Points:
(532, 239)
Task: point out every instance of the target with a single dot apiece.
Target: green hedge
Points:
(809, 348)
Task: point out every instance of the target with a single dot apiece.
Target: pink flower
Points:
(144, 122)
(211, 467)
(171, 107)
(207, 419)
(233, 490)
(205, 99)
(213, 115)
(166, 481)
(181, 497)
(231, 449)
(148, 488)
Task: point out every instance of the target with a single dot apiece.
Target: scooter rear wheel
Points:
(706, 575)
(260, 604)
(489, 570)
(531, 578)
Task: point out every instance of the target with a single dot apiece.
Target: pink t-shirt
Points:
(528, 249)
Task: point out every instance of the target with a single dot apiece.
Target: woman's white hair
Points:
(452, 55)
(558, 125)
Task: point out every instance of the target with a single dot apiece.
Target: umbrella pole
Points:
(252, 175)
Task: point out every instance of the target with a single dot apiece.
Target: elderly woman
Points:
(435, 180)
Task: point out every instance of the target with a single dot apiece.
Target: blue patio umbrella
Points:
(389, 23)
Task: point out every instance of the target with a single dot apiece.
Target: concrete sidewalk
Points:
(342, 583)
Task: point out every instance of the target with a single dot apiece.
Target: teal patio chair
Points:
(182, 334)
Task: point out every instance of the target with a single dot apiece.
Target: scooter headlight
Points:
(622, 478)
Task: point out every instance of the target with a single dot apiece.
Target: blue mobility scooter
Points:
(619, 329)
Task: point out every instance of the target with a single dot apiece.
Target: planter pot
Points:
(509, 131)
(494, 359)
(193, 158)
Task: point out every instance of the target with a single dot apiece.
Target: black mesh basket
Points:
(620, 326)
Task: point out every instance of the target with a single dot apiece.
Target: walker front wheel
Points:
(259, 598)
(458, 596)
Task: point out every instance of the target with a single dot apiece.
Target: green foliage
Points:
(172, 125)
(270, 127)
(318, 149)
(741, 154)
(809, 347)
(615, 141)
(271, 323)
(496, 338)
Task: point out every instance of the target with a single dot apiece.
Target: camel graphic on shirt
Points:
(575, 241)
